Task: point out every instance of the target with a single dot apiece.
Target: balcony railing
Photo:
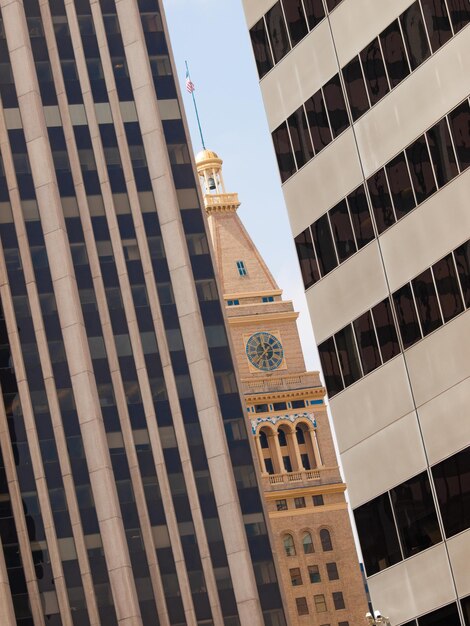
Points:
(286, 480)
(281, 383)
(222, 201)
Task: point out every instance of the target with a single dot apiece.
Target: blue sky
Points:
(212, 36)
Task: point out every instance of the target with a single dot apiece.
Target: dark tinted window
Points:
(415, 35)
(282, 147)
(426, 302)
(325, 538)
(452, 482)
(374, 71)
(381, 201)
(400, 185)
(277, 32)
(324, 245)
(447, 286)
(348, 356)
(415, 515)
(459, 13)
(332, 570)
(318, 121)
(330, 367)
(360, 216)
(394, 54)
(466, 610)
(307, 260)
(386, 331)
(460, 125)
(315, 12)
(407, 317)
(259, 41)
(331, 4)
(338, 600)
(296, 21)
(442, 152)
(437, 22)
(462, 260)
(367, 342)
(377, 534)
(355, 88)
(421, 170)
(336, 106)
(342, 231)
(300, 137)
(447, 616)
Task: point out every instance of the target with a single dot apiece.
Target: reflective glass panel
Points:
(407, 316)
(315, 12)
(284, 154)
(447, 286)
(400, 185)
(356, 88)
(374, 71)
(334, 98)
(381, 201)
(421, 170)
(452, 482)
(415, 35)
(348, 355)
(394, 54)
(330, 367)
(442, 152)
(437, 22)
(277, 32)
(300, 136)
(323, 241)
(296, 21)
(367, 342)
(386, 331)
(459, 13)
(462, 260)
(360, 216)
(318, 121)
(426, 302)
(342, 231)
(459, 120)
(307, 259)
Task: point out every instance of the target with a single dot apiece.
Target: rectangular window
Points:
(281, 505)
(421, 170)
(315, 12)
(415, 514)
(261, 49)
(426, 301)
(367, 342)
(442, 152)
(330, 367)
(332, 570)
(300, 136)
(295, 577)
(414, 33)
(348, 355)
(341, 227)
(437, 22)
(318, 500)
(447, 286)
(459, 120)
(355, 88)
(374, 71)
(459, 13)
(377, 534)
(314, 573)
(277, 32)
(446, 616)
(302, 607)
(336, 106)
(462, 260)
(360, 216)
(299, 503)
(233, 302)
(400, 185)
(296, 22)
(338, 600)
(320, 603)
(452, 482)
(323, 242)
(386, 331)
(393, 48)
(381, 201)
(318, 121)
(307, 258)
(283, 150)
(241, 268)
(407, 316)
(268, 298)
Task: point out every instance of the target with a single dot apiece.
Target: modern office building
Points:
(122, 498)
(367, 102)
(287, 418)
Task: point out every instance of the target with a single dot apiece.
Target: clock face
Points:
(264, 351)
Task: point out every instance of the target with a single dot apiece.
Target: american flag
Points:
(189, 83)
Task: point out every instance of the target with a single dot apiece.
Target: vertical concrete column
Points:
(293, 445)
(315, 447)
(276, 455)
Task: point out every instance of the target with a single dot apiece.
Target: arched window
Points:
(282, 437)
(325, 539)
(289, 546)
(299, 433)
(307, 543)
(263, 439)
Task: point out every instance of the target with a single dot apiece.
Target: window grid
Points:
(377, 229)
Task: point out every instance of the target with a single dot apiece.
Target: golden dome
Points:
(208, 157)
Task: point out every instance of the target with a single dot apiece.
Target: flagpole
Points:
(195, 108)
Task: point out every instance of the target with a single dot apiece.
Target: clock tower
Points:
(287, 419)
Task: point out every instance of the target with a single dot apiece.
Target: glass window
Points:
(452, 482)
(374, 71)
(151, 22)
(400, 185)
(446, 616)
(386, 331)
(407, 317)
(289, 546)
(299, 503)
(437, 22)
(459, 120)
(334, 98)
(314, 574)
(320, 603)
(277, 32)
(318, 121)
(355, 88)
(447, 286)
(332, 570)
(348, 356)
(367, 342)
(421, 170)
(307, 543)
(459, 13)
(318, 500)
(315, 12)
(381, 200)
(323, 242)
(296, 22)
(414, 33)
(281, 505)
(377, 534)
(330, 367)
(295, 576)
(241, 268)
(261, 50)
(300, 137)
(284, 154)
(415, 515)
(426, 302)
(442, 152)
(466, 610)
(462, 260)
(325, 538)
(394, 54)
(341, 227)
(302, 607)
(360, 216)
(338, 600)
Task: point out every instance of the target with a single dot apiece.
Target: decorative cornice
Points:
(263, 317)
(254, 294)
(274, 419)
(298, 492)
